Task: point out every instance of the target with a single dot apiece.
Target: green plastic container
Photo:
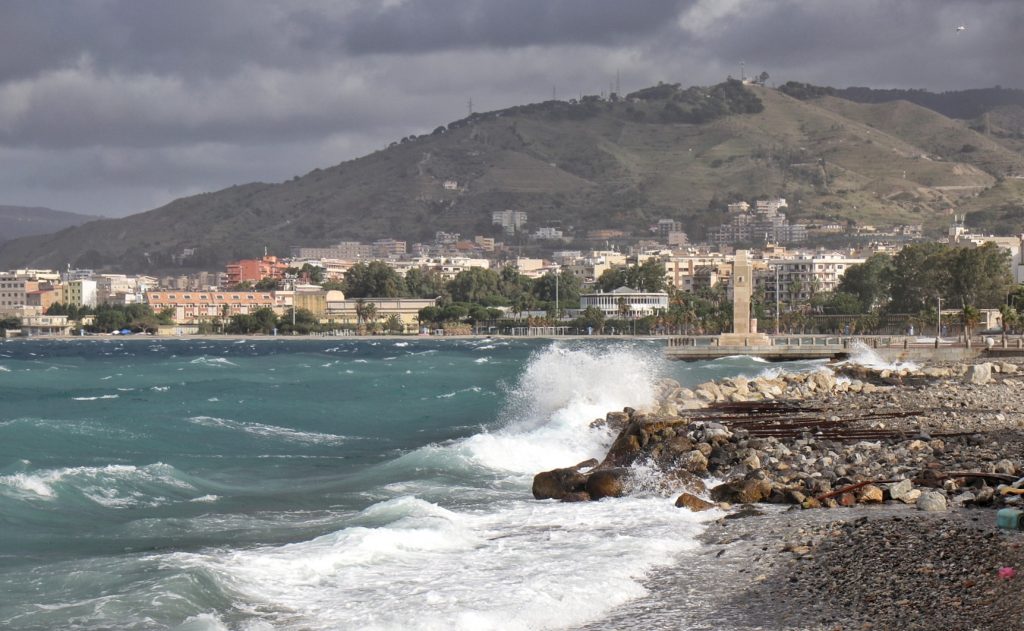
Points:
(1010, 518)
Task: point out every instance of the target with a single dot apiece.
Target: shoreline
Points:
(869, 563)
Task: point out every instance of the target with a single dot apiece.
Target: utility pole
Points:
(556, 297)
(938, 323)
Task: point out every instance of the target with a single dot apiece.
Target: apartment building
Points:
(191, 307)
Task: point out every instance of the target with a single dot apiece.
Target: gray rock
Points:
(932, 501)
(899, 490)
(978, 374)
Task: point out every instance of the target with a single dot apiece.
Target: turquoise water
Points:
(271, 484)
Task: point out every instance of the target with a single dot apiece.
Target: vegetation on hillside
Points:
(961, 104)
(596, 162)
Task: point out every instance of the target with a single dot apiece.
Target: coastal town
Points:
(661, 284)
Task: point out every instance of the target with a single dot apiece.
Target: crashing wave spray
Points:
(563, 389)
(862, 355)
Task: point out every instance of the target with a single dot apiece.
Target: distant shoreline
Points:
(235, 338)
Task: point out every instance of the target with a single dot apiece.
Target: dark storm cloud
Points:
(446, 24)
(149, 99)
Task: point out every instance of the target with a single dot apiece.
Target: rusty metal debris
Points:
(793, 419)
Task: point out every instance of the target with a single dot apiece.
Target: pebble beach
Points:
(880, 515)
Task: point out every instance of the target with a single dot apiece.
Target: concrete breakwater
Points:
(934, 437)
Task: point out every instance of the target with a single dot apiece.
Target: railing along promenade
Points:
(804, 346)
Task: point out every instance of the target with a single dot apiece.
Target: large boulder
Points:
(607, 483)
(978, 374)
(692, 502)
(562, 484)
(693, 461)
(742, 491)
(932, 501)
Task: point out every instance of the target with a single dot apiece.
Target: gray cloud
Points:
(118, 106)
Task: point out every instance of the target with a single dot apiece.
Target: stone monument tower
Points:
(742, 280)
(743, 334)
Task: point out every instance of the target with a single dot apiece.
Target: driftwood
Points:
(1002, 477)
(852, 487)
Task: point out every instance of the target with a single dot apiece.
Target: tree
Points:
(919, 274)
(650, 276)
(868, 281)
(837, 303)
(305, 322)
(429, 315)
(267, 284)
(623, 307)
(1010, 318)
(421, 284)
(373, 280)
(366, 313)
(567, 286)
(312, 273)
(266, 319)
(8, 324)
(478, 285)
(970, 316)
(592, 318)
(393, 323)
(980, 276)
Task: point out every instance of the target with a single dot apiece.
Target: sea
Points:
(332, 483)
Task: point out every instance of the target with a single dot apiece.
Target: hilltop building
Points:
(766, 224)
(511, 221)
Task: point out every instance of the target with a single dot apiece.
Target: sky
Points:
(113, 107)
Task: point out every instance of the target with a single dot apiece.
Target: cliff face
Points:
(623, 164)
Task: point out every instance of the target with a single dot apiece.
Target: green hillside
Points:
(661, 152)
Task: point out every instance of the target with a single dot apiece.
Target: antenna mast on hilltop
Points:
(617, 83)
(469, 106)
(743, 70)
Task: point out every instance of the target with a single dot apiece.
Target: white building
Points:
(801, 277)
(638, 303)
(511, 221)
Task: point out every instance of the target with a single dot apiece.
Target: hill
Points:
(662, 152)
(24, 221)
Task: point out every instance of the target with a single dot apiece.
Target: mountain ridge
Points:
(23, 221)
(623, 163)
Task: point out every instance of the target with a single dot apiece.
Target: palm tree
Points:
(393, 323)
(366, 312)
(971, 317)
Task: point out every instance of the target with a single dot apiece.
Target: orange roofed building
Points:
(191, 307)
(255, 270)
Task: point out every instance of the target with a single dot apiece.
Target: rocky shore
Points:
(914, 462)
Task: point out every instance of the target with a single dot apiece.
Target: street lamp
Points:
(776, 299)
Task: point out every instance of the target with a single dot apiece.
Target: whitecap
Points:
(212, 361)
(269, 431)
(97, 398)
(411, 564)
